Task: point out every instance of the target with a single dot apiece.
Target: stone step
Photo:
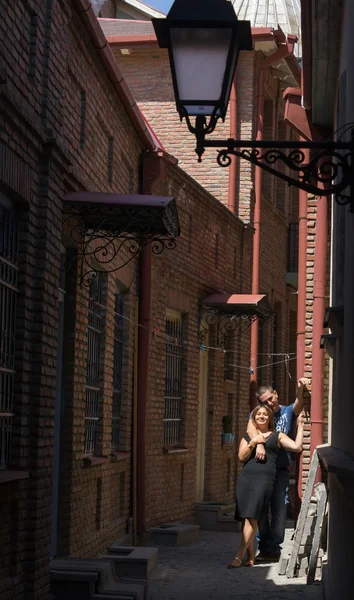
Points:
(217, 516)
(132, 562)
(174, 534)
(85, 578)
(228, 523)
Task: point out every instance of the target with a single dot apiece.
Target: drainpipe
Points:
(152, 171)
(284, 51)
(257, 239)
(301, 305)
(319, 306)
(301, 298)
(232, 195)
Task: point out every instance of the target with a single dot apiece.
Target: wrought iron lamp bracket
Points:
(329, 171)
(225, 322)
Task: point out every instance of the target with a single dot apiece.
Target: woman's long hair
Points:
(269, 413)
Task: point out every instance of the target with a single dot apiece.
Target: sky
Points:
(163, 5)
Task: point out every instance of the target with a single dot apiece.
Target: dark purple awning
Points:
(129, 213)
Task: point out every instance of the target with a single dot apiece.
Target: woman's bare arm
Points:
(245, 451)
(289, 444)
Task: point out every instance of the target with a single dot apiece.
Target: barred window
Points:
(93, 364)
(117, 368)
(173, 379)
(8, 298)
(229, 356)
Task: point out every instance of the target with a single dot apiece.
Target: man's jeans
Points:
(271, 528)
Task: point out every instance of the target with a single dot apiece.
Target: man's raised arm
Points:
(299, 402)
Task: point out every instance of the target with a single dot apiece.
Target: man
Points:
(271, 533)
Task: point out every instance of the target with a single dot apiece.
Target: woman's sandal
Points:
(231, 564)
(249, 563)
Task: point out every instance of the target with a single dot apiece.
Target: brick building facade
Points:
(146, 68)
(66, 477)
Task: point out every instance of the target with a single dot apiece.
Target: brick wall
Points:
(63, 129)
(148, 74)
(59, 115)
(310, 262)
(180, 280)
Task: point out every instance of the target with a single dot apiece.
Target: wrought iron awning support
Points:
(108, 238)
(99, 252)
(227, 322)
(329, 171)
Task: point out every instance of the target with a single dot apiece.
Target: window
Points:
(173, 379)
(8, 298)
(93, 366)
(274, 350)
(277, 347)
(118, 353)
(229, 356)
(260, 361)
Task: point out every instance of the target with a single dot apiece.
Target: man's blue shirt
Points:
(284, 420)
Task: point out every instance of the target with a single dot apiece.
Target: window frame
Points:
(119, 341)
(9, 272)
(94, 370)
(175, 357)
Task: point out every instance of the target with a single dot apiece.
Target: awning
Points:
(137, 214)
(239, 304)
(110, 230)
(232, 314)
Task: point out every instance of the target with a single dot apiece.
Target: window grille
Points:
(276, 344)
(293, 247)
(117, 369)
(93, 366)
(173, 380)
(229, 356)
(8, 298)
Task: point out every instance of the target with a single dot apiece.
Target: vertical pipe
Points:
(301, 298)
(135, 424)
(319, 305)
(257, 238)
(232, 194)
(301, 302)
(143, 375)
(152, 170)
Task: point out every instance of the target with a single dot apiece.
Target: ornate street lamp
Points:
(204, 38)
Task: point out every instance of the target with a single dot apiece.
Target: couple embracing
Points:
(263, 483)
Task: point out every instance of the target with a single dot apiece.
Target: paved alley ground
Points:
(198, 572)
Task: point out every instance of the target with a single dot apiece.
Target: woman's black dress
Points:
(256, 480)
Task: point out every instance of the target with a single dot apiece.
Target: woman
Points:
(256, 480)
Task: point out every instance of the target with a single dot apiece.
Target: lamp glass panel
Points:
(200, 58)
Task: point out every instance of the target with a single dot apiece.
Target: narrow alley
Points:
(176, 299)
(198, 571)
